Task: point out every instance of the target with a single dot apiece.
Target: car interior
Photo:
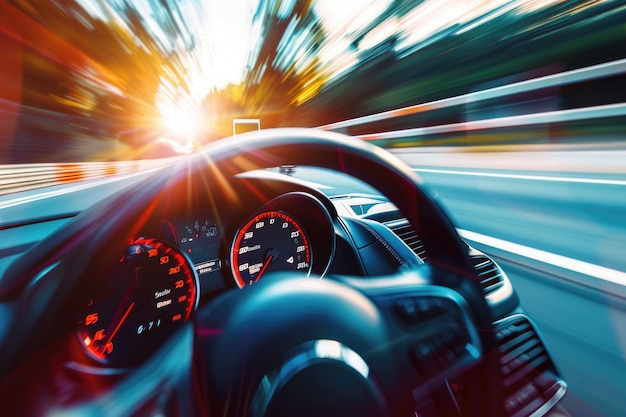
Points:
(282, 272)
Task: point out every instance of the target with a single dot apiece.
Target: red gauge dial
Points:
(153, 288)
(271, 241)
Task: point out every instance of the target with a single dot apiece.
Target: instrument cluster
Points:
(159, 281)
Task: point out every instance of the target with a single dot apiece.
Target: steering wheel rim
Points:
(390, 176)
(67, 262)
(376, 167)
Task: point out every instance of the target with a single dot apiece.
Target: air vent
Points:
(528, 374)
(489, 274)
(403, 229)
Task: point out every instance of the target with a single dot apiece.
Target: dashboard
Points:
(212, 276)
(191, 250)
(184, 256)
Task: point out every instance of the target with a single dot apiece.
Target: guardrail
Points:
(16, 178)
(23, 177)
(559, 116)
(570, 77)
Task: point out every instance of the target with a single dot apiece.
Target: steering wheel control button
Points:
(407, 310)
(415, 310)
(441, 349)
(424, 356)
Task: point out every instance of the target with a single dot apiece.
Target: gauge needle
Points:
(130, 307)
(119, 324)
(265, 265)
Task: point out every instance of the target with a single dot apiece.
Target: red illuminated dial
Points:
(271, 241)
(150, 291)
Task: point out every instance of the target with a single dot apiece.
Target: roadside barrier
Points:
(595, 72)
(22, 177)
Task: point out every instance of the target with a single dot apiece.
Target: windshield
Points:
(110, 80)
(511, 112)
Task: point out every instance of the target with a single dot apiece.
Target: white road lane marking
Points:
(65, 190)
(581, 267)
(524, 177)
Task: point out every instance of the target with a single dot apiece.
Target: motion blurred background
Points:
(513, 112)
(106, 80)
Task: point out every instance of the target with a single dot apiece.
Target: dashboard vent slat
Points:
(490, 277)
(528, 374)
(403, 229)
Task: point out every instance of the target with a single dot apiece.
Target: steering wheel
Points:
(407, 344)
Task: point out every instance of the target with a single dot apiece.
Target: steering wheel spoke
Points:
(393, 343)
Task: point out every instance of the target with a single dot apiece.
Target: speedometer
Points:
(271, 241)
(150, 291)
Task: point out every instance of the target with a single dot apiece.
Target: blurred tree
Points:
(521, 44)
(285, 70)
(106, 69)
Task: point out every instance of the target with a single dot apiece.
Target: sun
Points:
(181, 122)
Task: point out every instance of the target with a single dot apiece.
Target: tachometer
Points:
(150, 290)
(271, 241)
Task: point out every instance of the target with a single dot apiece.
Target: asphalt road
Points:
(61, 199)
(556, 222)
